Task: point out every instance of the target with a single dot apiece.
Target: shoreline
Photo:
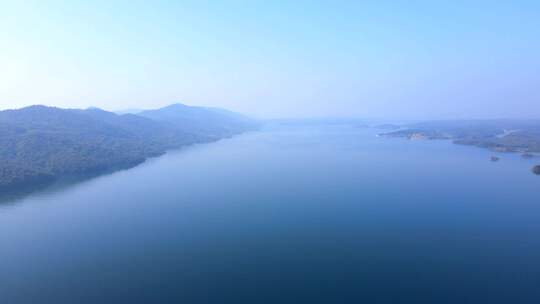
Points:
(21, 189)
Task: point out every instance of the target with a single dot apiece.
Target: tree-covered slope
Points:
(40, 144)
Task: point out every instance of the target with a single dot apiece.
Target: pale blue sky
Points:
(395, 59)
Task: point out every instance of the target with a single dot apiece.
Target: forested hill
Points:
(40, 144)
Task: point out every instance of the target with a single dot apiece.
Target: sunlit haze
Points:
(393, 59)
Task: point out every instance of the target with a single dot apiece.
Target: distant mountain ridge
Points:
(201, 120)
(41, 144)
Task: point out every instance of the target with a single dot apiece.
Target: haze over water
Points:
(292, 213)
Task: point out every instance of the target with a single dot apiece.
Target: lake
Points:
(290, 214)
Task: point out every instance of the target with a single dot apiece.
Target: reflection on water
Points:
(16, 194)
(47, 188)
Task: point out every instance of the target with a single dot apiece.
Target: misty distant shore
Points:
(502, 136)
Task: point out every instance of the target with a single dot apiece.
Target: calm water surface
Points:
(291, 214)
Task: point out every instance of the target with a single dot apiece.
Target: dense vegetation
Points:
(40, 144)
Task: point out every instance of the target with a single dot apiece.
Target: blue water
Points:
(290, 214)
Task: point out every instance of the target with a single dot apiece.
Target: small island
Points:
(527, 155)
(495, 159)
(536, 169)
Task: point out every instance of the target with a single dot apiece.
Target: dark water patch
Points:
(50, 184)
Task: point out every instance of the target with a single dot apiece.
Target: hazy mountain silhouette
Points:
(200, 120)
